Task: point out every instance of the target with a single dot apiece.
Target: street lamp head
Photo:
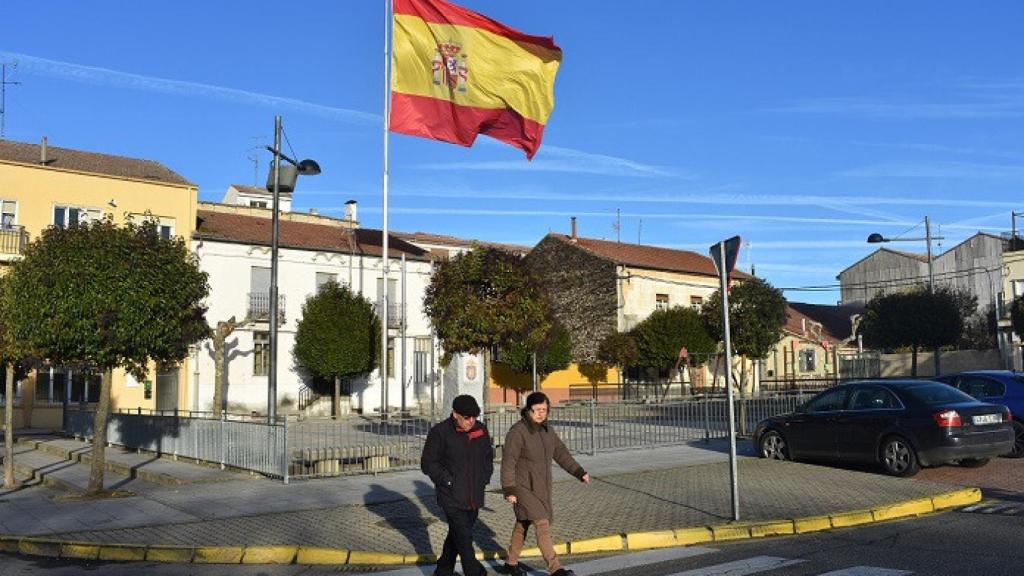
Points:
(877, 238)
(308, 168)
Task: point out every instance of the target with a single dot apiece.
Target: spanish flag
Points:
(456, 74)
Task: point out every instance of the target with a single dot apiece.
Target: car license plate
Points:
(988, 419)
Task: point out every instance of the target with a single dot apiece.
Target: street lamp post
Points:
(304, 168)
(877, 238)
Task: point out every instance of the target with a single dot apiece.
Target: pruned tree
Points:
(914, 319)
(338, 336)
(757, 313)
(122, 297)
(484, 299)
(553, 353)
(618, 349)
(14, 361)
(218, 340)
(662, 334)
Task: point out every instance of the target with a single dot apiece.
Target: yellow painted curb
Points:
(218, 555)
(811, 524)
(651, 540)
(176, 554)
(606, 544)
(420, 558)
(79, 551)
(269, 554)
(957, 498)
(491, 555)
(374, 558)
(855, 518)
(39, 547)
(122, 552)
(320, 556)
(8, 544)
(904, 509)
(772, 529)
(688, 536)
(726, 532)
(560, 549)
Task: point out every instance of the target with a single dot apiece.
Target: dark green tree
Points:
(338, 336)
(914, 319)
(1017, 317)
(661, 335)
(99, 296)
(14, 361)
(619, 349)
(485, 299)
(553, 353)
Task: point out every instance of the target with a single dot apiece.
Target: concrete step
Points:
(130, 464)
(34, 466)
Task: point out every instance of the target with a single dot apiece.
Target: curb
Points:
(632, 541)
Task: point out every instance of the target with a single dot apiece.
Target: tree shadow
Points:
(401, 514)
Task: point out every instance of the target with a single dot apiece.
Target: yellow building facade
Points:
(42, 186)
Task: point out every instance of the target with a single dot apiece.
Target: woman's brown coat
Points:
(526, 468)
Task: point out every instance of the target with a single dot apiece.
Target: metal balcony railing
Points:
(259, 307)
(396, 313)
(13, 240)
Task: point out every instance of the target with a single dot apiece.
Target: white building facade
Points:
(233, 246)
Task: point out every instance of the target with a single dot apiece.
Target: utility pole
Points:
(3, 92)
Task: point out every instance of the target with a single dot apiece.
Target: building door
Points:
(167, 390)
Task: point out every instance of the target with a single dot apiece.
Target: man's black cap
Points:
(466, 405)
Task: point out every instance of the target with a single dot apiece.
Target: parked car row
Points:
(901, 425)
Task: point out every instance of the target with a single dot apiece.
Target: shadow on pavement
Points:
(401, 514)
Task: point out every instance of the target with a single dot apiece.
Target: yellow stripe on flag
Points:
(500, 73)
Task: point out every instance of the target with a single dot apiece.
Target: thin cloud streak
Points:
(106, 77)
(1002, 108)
(943, 170)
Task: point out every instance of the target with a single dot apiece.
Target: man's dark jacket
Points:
(459, 463)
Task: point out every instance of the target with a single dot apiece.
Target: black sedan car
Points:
(899, 424)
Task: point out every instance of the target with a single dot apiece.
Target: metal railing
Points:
(396, 313)
(259, 307)
(359, 444)
(13, 240)
(797, 384)
(307, 396)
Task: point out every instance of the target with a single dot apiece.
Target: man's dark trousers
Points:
(459, 542)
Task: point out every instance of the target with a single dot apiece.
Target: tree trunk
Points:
(220, 335)
(913, 361)
(336, 404)
(9, 429)
(99, 436)
(487, 384)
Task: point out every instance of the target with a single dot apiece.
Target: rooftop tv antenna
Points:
(3, 92)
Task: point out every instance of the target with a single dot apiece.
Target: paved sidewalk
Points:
(633, 491)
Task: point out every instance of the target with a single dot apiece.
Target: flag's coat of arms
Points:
(449, 66)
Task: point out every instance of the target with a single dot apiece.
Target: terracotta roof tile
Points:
(835, 320)
(652, 257)
(247, 229)
(93, 162)
(428, 238)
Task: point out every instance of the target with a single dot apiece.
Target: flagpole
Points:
(388, 8)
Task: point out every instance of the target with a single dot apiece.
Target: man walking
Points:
(459, 459)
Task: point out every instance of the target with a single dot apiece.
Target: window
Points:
(258, 203)
(9, 214)
(325, 277)
(873, 398)
(830, 401)
(1018, 288)
(807, 360)
(937, 393)
(260, 353)
(164, 226)
(391, 358)
(696, 302)
(982, 387)
(64, 216)
(661, 301)
(422, 349)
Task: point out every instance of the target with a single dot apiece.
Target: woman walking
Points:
(530, 447)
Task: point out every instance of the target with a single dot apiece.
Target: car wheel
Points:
(773, 446)
(898, 457)
(973, 462)
(1018, 441)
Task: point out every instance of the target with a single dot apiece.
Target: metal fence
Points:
(364, 444)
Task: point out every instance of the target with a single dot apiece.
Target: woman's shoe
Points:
(563, 572)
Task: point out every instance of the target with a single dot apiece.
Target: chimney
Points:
(351, 211)
(573, 236)
(42, 152)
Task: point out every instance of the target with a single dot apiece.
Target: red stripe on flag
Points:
(442, 120)
(440, 12)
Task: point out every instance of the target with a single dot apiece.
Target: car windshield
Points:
(936, 393)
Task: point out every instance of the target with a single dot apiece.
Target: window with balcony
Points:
(260, 353)
(8, 214)
(661, 301)
(64, 216)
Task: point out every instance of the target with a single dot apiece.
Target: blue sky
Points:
(801, 126)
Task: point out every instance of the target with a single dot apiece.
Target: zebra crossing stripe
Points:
(866, 571)
(751, 565)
